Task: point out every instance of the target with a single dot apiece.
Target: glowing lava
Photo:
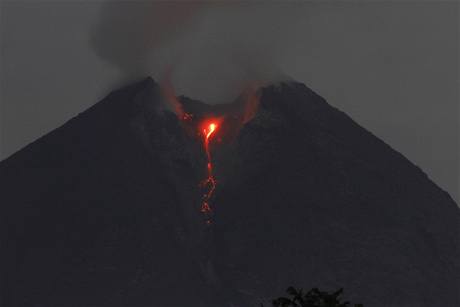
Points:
(237, 114)
(210, 182)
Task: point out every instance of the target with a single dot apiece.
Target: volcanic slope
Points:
(105, 211)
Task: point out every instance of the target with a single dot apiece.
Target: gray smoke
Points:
(212, 49)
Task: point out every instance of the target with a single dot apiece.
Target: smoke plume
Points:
(211, 49)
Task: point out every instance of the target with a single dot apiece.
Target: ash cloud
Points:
(212, 50)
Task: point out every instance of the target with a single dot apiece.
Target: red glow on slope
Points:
(251, 102)
(169, 94)
(187, 116)
(208, 130)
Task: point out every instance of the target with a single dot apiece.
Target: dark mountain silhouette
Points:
(104, 211)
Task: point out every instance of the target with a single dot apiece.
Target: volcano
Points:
(107, 209)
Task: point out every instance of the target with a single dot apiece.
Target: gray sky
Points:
(391, 65)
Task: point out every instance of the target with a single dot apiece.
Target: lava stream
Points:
(210, 182)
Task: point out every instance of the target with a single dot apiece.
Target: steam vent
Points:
(128, 204)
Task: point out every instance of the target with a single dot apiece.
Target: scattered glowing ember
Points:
(210, 182)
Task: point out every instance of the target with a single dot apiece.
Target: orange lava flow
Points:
(210, 182)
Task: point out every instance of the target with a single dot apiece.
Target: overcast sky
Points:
(392, 66)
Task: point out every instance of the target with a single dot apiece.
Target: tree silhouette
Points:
(313, 298)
